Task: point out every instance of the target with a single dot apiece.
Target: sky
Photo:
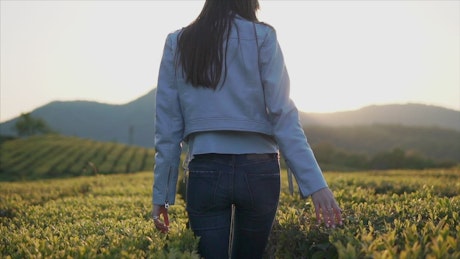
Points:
(340, 55)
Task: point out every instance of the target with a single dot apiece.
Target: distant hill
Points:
(417, 115)
(130, 123)
(133, 123)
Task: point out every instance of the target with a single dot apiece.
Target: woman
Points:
(223, 89)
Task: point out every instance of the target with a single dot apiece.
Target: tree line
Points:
(27, 126)
(333, 158)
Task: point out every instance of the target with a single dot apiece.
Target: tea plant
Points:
(389, 214)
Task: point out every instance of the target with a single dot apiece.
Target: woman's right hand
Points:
(162, 225)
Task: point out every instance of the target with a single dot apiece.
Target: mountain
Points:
(133, 123)
(417, 115)
(130, 123)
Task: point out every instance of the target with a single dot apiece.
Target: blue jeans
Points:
(249, 183)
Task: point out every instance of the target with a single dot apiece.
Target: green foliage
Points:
(332, 158)
(104, 216)
(398, 159)
(28, 126)
(387, 214)
(6, 138)
(52, 156)
(429, 142)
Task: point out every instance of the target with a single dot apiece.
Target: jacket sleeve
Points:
(169, 127)
(284, 117)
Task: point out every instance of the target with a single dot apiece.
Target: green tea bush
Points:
(387, 214)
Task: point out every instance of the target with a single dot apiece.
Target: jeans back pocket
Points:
(201, 190)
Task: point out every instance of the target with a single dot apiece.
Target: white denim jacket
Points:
(254, 97)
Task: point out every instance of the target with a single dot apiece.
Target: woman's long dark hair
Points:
(202, 45)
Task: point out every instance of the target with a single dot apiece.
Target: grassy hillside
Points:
(58, 156)
(55, 156)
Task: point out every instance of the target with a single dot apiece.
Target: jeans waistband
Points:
(237, 157)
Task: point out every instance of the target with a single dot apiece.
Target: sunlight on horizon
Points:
(340, 55)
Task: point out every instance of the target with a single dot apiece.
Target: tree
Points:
(29, 126)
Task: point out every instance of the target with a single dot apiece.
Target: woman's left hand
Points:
(327, 208)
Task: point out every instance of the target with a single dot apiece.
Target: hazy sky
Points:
(341, 55)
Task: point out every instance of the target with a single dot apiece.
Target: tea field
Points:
(66, 197)
(55, 156)
(387, 214)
